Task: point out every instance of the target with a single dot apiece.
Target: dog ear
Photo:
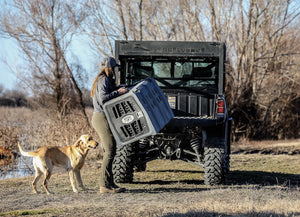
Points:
(78, 143)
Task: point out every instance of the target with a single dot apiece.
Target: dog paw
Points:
(85, 189)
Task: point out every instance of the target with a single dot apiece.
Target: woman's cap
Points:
(110, 62)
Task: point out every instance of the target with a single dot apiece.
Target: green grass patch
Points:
(28, 212)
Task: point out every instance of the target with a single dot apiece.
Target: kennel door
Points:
(141, 112)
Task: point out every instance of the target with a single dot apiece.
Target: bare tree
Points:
(259, 38)
(141, 18)
(256, 77)
(262, 38)
(121, 16)
(44, 31)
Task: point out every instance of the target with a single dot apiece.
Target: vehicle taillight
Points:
(221, 106)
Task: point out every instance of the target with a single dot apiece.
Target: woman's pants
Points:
(101, 126)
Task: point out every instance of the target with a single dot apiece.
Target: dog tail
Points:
(24, 153)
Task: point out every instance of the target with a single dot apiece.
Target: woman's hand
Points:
(122, 90)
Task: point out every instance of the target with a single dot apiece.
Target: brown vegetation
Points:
(6, 156)
(289, 147)
(262, 38)
(37, 128)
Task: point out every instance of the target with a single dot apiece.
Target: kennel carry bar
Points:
(141, 112)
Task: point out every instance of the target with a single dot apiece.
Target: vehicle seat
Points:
(200, 72)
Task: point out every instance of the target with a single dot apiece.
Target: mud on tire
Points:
(123, 164)
(213, 165)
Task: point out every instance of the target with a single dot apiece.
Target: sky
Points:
(9, 54)
(10, 57)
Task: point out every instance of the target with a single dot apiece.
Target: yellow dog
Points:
(70, 157)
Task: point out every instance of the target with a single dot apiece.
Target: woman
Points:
(104, 89)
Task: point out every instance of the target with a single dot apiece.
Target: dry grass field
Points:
(264, 181)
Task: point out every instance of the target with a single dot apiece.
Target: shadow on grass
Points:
(166, 190)
(238, 177)
(164, 182)
(167, 182)
(168, 186)
(175, 171)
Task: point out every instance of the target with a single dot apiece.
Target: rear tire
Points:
(123, 164)
(140, 167)
(213, 164)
